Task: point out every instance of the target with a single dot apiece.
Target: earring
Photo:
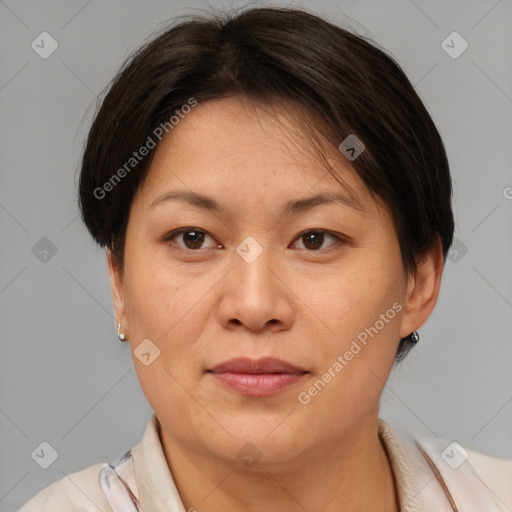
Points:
(121, 337)
(414, 337)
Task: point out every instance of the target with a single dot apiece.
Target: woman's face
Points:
(320, 285)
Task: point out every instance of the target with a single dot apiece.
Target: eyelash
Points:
(171, 236)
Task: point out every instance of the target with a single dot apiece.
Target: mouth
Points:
(257, 377)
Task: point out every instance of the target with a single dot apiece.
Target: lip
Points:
(262, 365)
(257, 377)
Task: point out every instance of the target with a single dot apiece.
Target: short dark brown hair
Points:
(346, 84)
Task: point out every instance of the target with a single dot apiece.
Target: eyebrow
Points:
(290, 208)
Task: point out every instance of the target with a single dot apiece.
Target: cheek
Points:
(167, 309)
(352, 299)
(168, 306)
(152, 292)
(357, 333)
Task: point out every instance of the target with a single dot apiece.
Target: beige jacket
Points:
(432, 475)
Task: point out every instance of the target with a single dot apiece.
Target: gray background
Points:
(65, 378)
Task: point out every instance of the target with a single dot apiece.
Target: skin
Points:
(298, 301)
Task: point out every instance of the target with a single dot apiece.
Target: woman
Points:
(275, 203)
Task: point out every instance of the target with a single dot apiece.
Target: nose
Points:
(256, 295)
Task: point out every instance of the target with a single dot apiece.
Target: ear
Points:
(422, 290)
(117, 289)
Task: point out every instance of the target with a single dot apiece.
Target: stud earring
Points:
(121, 336)
(414, 337)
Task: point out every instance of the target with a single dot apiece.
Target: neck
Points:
(350, 474)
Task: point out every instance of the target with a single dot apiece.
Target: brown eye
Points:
(192, 238)
(313, 240)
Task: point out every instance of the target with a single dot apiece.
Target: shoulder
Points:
(496, 474)
(473, 480)
(79, 491)
(84, 491)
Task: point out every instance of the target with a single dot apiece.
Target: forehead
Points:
(237, 147)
